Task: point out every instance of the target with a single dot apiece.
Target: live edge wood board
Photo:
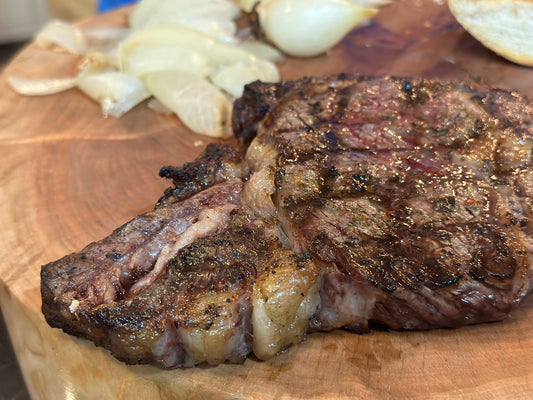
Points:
(69, 177)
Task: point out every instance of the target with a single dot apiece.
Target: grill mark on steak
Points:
(352, 200)
(405, 192)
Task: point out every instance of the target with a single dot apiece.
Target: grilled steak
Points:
(351, 200)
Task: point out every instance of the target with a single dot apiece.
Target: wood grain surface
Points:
(69, 177)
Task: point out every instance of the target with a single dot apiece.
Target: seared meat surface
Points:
(351, 200)
(404, 192)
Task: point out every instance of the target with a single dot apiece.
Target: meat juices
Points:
(350, 200)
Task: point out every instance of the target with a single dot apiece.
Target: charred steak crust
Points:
(360, 199)
(216, 163)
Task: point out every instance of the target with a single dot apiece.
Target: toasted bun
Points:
(504, 26)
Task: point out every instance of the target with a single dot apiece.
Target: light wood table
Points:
(69, 177)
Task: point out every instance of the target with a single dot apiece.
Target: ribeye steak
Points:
(348, 200)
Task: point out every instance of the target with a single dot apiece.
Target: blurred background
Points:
(21, 19)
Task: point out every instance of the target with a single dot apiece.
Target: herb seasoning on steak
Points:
(352, 200)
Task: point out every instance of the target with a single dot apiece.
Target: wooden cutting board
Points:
(69, 177)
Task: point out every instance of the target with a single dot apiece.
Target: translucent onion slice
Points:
(105, 40)
(212, 17)
(142, 12)
(216, 51)
(146, 59)
(40, 87)
(193, 8)
(116, 92)
(226, 9)
(306, 28)
(64, 35)
(262, 50)
(147, 11)
(219, 28)
(233, 78)
(198, 104)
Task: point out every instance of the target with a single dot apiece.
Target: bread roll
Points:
(504, 26)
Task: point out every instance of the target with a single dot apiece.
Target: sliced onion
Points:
(116, 92)
(228, 54)
(146, 59)
(163, 36)
(64, 35)
(197, 103)
(108, 34)
(248, 5)
(262, 50)
(371, 3)
(40, 87)
(306, 28)
(142, 12)
(157, 106)
(97, 62)
(212, 17)
(233, 78)
(105, 40)
(168, 9)
(216, 51)
(219, 28)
